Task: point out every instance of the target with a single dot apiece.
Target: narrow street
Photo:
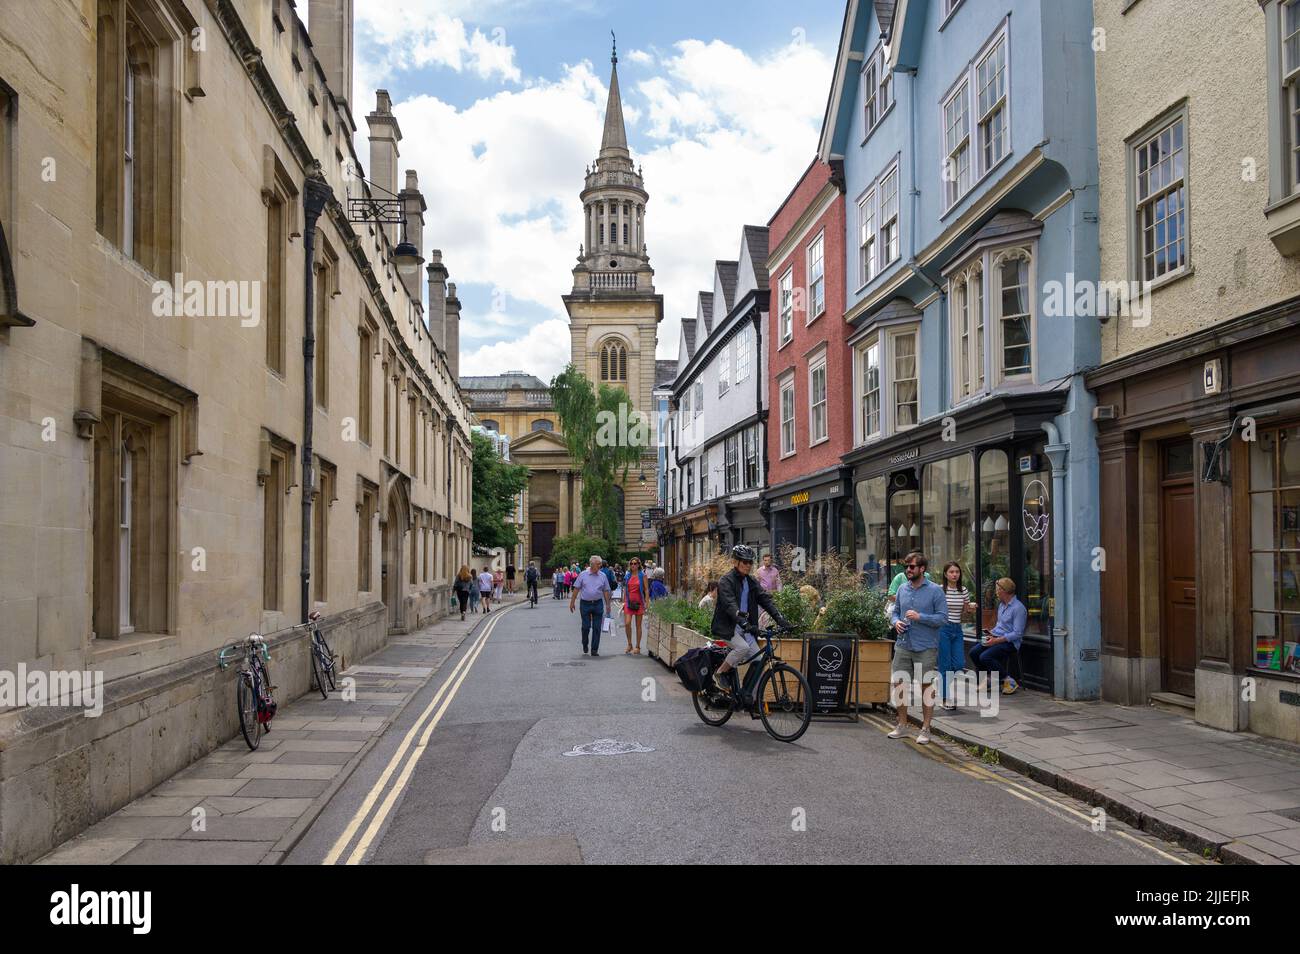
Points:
(475, 770)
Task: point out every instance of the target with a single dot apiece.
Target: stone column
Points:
(564, 503)
(577, 502)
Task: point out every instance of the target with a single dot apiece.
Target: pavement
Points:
(496, 740)
(237, 806)
(522, 750)
(1234, 796)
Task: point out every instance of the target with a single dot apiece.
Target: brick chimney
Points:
(330, 26)
(437, 298)
(384, 137)
(453, 331)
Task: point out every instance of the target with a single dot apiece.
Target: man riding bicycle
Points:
(735, 618)
(531, 576)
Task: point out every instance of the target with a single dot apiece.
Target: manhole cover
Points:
(566, 662)
(608, 747)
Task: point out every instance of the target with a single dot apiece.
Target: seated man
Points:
(735, 618)
(1002, 640)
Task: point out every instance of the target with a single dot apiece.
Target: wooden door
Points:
(1178, 569)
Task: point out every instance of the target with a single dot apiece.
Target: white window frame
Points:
(818, 245)
(731, 478)
(964, 94)
(1178, 183)
(744, 345)
(996, 336)
(785, 305)
(787, 416)
(749, 452)
(966, 298)
(724, 369)
(880, 213)
(699, 398)
(893, 337)
(877, 89)
(983, 116)
(861, 352)
(1290, 80)
(818, 435)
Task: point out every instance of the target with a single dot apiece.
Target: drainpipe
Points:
(316, 194)
(1058, 454)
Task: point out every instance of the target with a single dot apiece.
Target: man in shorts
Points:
(920, 610)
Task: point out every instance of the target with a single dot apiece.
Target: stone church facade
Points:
(152, 439)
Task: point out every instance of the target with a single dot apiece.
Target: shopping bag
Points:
(607, 625)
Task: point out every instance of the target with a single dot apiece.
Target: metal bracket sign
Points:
(377, 211)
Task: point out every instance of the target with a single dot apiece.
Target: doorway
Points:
(391, 572)
(542, 538)
(1177, 568)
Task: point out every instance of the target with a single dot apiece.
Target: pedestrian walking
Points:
(658, 589)
(510, 577)
(634, 604)
(769, 577)
(592, 588)
(498, 583)
(473, 592)
(464, 583)
(485, 588)
(919, 611)
(998, 645)
(952, 646)
(557, 582)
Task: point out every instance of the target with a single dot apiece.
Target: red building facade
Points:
(809, 368)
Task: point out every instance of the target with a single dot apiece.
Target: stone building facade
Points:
(161, 162)
(1198, 392)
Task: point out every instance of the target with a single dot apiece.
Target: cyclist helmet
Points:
(742, 552)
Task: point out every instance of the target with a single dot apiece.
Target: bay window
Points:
(905, 380)
(1004, 318)
(886, 383)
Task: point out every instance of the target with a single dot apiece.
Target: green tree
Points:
(603, 432)
(578, 548)
(497, 485)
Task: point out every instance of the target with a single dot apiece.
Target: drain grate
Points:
(565, 662)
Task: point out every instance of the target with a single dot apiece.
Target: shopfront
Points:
(741, 520)
(813, 514)
(689, 539)
(985, 502)
(1199, 444)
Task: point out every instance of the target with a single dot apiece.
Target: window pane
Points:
(1288, 457)
(870, 532)
(1268, 651)
(994, 530)
(948, 490)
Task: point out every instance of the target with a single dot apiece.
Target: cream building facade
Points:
(159, 161)
(1198, 395)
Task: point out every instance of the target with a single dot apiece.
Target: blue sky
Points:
(500, 105)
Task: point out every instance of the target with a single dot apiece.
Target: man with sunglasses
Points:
(920, 609)
(734, 618)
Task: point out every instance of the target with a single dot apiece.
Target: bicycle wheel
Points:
(318, 669)
(327, 661)
(709, 712)
(247, 699)
(785, 702)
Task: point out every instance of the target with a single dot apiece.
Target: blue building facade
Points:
(966, 138)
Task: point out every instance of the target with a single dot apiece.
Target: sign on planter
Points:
(829, 668)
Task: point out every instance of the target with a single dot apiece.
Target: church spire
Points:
(614, 140)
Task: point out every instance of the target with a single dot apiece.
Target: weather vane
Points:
(614, 56)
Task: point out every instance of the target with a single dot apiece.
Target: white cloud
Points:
(432, 38)
(731, 133)
(640, 57)
(543, 351)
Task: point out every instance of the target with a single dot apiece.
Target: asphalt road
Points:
(492, 781)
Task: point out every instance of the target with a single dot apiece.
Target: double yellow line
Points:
(1022, 792)
(406, 756)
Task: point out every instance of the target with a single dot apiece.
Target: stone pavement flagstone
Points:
(1234, 795)
(257, 803)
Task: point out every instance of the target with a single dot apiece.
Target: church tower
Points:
(614, 312)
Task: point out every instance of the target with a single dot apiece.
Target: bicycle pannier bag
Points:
(696, 667)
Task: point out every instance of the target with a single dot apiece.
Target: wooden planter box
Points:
(873, 665)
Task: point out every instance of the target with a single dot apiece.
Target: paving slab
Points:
(257, 800)
(1195, 784)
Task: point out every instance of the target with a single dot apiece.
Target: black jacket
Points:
(728, 608)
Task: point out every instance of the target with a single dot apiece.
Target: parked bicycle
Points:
(774, 691)
(322, 658)
(254, 693)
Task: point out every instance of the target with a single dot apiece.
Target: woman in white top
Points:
(952, 647)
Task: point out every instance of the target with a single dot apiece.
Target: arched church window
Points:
(543, 425)
(613, 361)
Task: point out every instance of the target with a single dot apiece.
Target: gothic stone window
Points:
(367, 502)
(276, 477)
